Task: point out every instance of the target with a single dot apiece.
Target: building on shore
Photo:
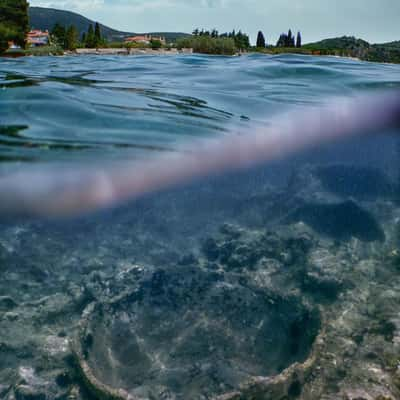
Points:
(13, 46)
(145, 39)
(36, 38)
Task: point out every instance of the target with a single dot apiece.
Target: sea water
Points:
(198, 290)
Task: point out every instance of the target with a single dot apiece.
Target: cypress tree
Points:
(298, 41)
(58, 32)
(90, 39)
(97, 35)
(282, 41)
(71, 38)
(290, 39)
(260, 40)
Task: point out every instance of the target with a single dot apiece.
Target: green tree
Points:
(242, 41)
(90, 38)
(282, 41)
(6, 34)
(290, 42)
(155, 44)
(286, 40)
(71, 38)
(214, 33)
(59, 32)
(298, 40)
(14, 20)
(260, 40)
(97, 35)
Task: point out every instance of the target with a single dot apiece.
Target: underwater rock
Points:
(193, 333)
(232, 317)
(321, 285)
(244, 252)
(211, 249)
(243, 256)
(231, 231)
(340, 221)
(359, 182)
(11, 316)
(340, 182)
(7, 303)
(31, 387)
(3, 390)
(24, 392)
(188, 259)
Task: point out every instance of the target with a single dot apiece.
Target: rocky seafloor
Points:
(289, 294)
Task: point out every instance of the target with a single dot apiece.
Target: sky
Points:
(373, 20)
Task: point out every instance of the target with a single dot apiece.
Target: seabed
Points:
(301, 305)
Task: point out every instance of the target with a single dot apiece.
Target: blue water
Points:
(190, 291)
(69, 108)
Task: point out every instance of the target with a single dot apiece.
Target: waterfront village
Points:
(38, 31)
(37, 38)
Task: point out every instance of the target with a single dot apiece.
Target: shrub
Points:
(208, 45)
(155, 44)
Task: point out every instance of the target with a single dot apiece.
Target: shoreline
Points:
(126, 51)
(169, 52)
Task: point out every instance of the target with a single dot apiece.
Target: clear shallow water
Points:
(88, 107)
(190, 292)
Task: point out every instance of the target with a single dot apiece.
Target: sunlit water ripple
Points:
(70, 108)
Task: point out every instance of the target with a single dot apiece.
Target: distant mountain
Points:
(45, 18)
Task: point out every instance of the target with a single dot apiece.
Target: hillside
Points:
(385, 52)
(346, 45)
(352, 47)
(45, 18)
(344, 42)
(391, 45)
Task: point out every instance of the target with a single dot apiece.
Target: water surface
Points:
(190, 292)
(70, 108)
